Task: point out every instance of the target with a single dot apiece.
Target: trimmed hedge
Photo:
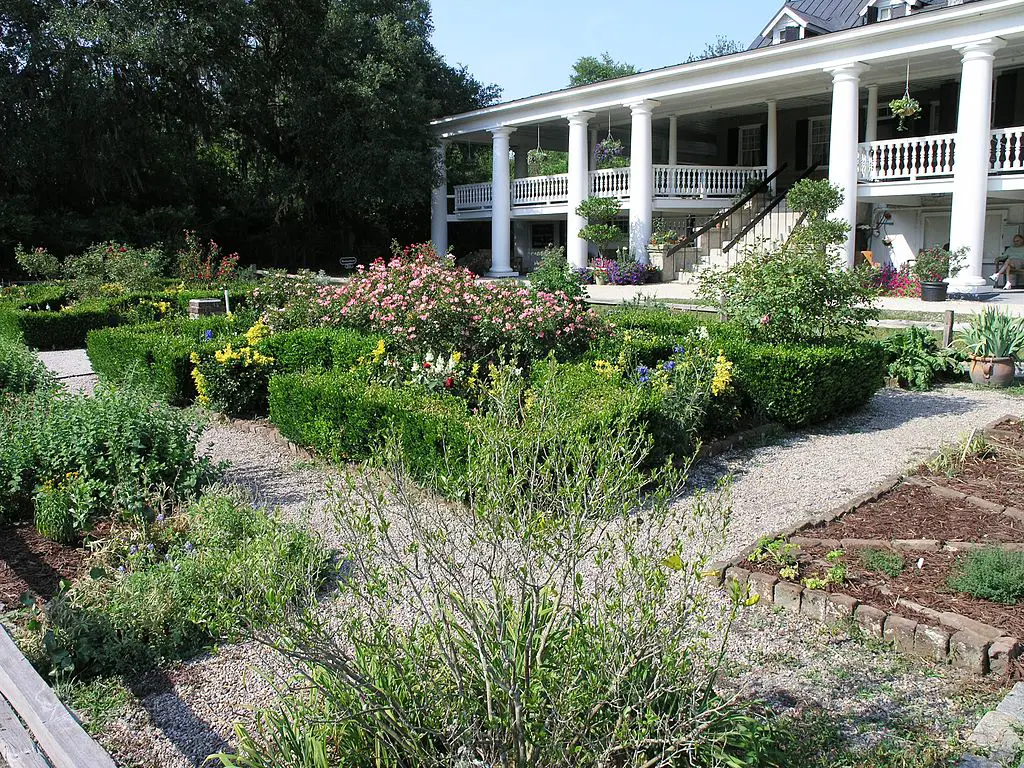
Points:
(801, 385)
(338, 415)
(158, 353)
(311, 348)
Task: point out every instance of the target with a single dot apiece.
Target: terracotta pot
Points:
(933, 291)
(992, 371)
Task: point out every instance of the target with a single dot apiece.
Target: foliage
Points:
(662, 235)
(555, 275)
(599, 213)
(722, 46)
(916, 360)
(233, 381)
(146, 120)
(163, 590)
(611, 153)
(65, 327)
(622, 272)
(339, 415)
(533, 638)
(778, 551)
(883, 561)
(798, 292)
(20, 370)
(991, 333)
(112, 268)
(543, 162)
(65, 507)
(991, 574)
(309, 348)
(134, 453)
(934, 265)
(594, 69)
(905, 108)
(202, 263)
(38, 262)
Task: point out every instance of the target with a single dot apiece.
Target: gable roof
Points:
(824, 16)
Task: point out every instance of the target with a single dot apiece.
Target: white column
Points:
(771, 152)
(641, 180)
(871, 124)
(439, 205)
(842, 163)
(501, 204)
(579, 187)
(673, 140)
(970, 171)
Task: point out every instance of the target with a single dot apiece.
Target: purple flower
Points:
(133, 549)
(160, 517)
(188, 546)
(678, 349)
(208, 335)
(120, 569)
(150, 547)
(643, 373)
(669, 366)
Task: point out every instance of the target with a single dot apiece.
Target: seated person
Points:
(1013, 259)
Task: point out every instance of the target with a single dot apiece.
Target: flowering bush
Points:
(235, 381)
(418, 299)
(610, 153)
(895, 282)
(205, 263)
(623, 272)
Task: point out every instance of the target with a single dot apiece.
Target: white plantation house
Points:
(810, 97)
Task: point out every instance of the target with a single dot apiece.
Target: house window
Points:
(750, 146)
(542, 234)
(884, 12)
(818, 131)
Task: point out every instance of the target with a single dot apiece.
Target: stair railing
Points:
(771, 206)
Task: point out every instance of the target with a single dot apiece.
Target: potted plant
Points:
(994, 340)
(932, 266)
(610, 153)
(905, 108)
(599, 212)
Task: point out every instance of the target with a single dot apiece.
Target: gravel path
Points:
(72, 367)
(181, 716)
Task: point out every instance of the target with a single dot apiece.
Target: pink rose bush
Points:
(420, 300)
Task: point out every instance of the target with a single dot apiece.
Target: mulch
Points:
(913, 512)
(31, 563)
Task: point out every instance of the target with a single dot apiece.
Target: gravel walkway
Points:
(181, 716)
(72, 368)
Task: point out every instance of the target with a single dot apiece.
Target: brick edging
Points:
(265, 430)
(958, 640)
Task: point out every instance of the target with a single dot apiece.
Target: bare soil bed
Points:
(32, 563)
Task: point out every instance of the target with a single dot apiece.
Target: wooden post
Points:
(947, 329)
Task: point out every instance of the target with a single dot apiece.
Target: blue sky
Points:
(529, 46)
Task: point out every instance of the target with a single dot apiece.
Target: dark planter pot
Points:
(992, 371)
(933, 291)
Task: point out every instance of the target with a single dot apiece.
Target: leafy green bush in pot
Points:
(991, 333)
(916, 360)
(933, 265)
(991, 574)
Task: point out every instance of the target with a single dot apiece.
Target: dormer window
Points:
(884, 10)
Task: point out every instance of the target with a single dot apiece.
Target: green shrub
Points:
(167, 590)
(311, 348)
(554, 274)
(883, 561)
(340, 416)
(20, 370)
(916, 360)
(800, 385)
(65, 507)
(991, 574)
(131, 449)
(63, 328)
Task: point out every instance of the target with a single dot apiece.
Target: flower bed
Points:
(933, 564)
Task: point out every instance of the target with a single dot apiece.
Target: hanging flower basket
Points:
(609, 153)
(905, 108)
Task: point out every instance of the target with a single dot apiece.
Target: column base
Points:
(500, 273)
(968, 285)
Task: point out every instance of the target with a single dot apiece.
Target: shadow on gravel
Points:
(175, 718)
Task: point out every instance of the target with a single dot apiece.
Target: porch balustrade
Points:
(683, 181)
(933, 157)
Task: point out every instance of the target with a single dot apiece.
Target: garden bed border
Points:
(959, 641)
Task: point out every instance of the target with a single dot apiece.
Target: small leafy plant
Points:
(554, 275)
(883, 561)
(991, 333)
(933, 265)
(991, 574)
(599, 213)
(916, 360)
(64, 508)
(776, 551)
(905, 108)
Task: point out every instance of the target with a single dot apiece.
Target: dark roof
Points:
(824, 16)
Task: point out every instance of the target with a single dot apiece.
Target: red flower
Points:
(426, 364)
(449, 383)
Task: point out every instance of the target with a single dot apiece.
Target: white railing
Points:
(470, 197)
(924, 157)
(1007, 150)
(610, 182)
(703, 181)
(541, 190)
(932, 157)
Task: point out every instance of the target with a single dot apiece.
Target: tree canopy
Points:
(722, 46)
(594, 69)
(277, 126)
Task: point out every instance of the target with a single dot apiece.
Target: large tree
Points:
(284, 126)
(594, 69)
(722, 46)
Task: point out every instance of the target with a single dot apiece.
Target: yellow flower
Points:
(226, 355)
(723, 374)
(257, 333)
(379, 350)
(604, 368)
(202, 388)
(456, 358)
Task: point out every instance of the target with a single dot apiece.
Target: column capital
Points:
(980, 49)
(771, 102)
(502, 130)
(579, 118)
(642, 106)
(848, 72)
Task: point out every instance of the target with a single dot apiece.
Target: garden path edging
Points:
(958, 640)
